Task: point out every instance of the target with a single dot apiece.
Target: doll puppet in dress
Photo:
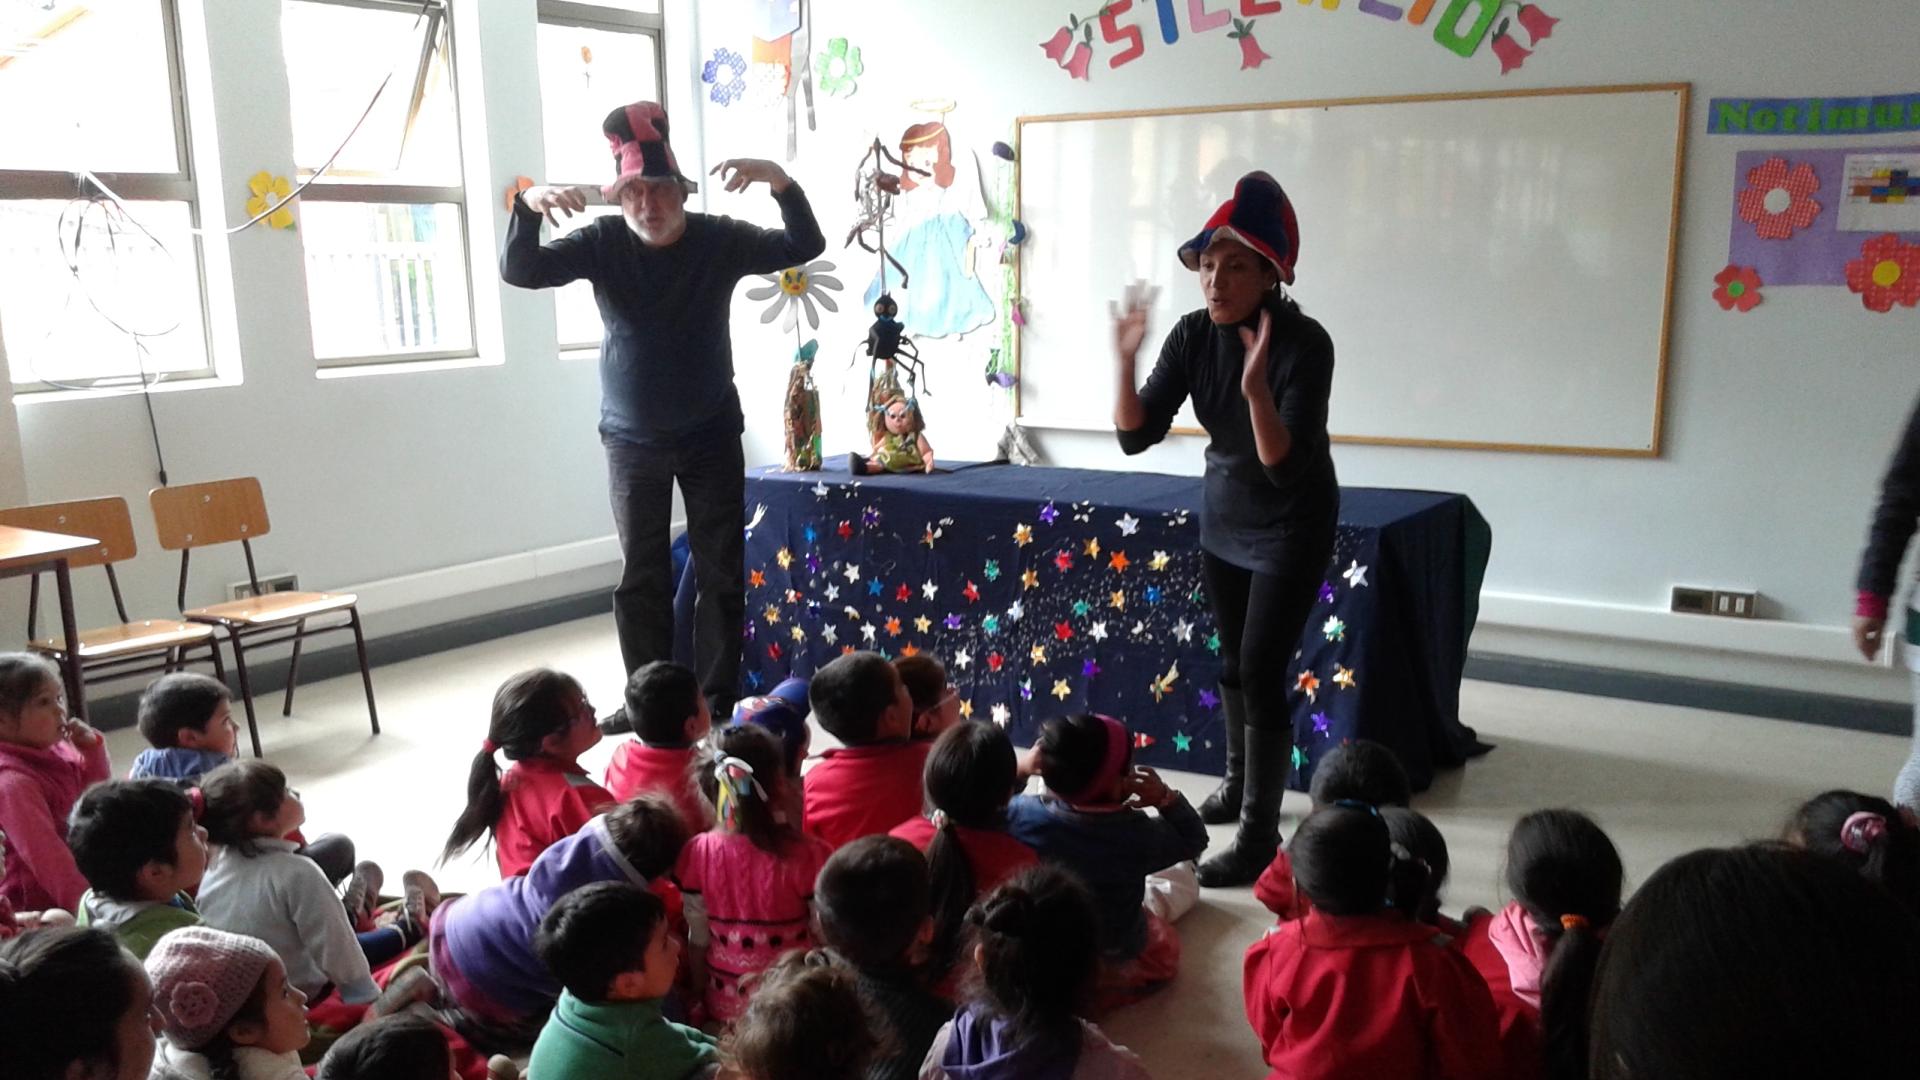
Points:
(902, 447)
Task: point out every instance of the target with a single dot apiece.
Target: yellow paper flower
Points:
(269, 189)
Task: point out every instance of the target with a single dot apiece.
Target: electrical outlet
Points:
(243, 590)
(1691, 601)
(1735, 605)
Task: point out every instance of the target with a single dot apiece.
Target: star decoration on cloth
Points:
(991, 624)
(813, 562)
(798, 633)
(1117, 601)
(1118, 563)
(893, 627)
(929, 590)
(875, 586)
(971, 592)
(1139, 629)
(1038, 654)
(853, 613)
(772, 614)
(1334, 629)
(784, 558)
(1343, 678)
(1209, 699)
(1309, 684)
(867, 630)
(756, 579)
(1063, 631)
(845, 529)
(1060, 690)
(966, 709)
(1182, 741)
(1356, 575)
(909, 649)
(995, 661)
(1299, 758)
(1023, 534)
(1163, 684)
(1016, 611)
(1001, 715)
(1183, 631)
(1213, 643)
(1321, 724)
(833, 593)
(1326, 592)
(952, 621)
(1128, 524)
(1063, 560)
(829, 634)
(1030, 579)
(793, 596)
(852, 571)
(932, 535)
(1026, 689)
(1048, 514)
(1153, 594)
(753, 679)
(1098, 631)
(819, 492)
(963, 659)
(870, 517)
(810, 533)
(923, 624)
(1159, 561)
(1092, 547)
(992, 571)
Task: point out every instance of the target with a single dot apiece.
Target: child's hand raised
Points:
(1144, 787)
(80, 734)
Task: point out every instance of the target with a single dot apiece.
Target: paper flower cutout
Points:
(1886, 273)
(1778, 200)
(269, 189)
(794, 287)
(1510, 52)
(1078, 63)
(1737, 288)
(726, 72)
(1056, 46)
(1251, 54)
(1539, 25)
(839, 68)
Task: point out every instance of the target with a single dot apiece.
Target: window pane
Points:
(386, 279)
(52, 332)
(584, 75)
(56, 54)
(336, 57)
(576, 316)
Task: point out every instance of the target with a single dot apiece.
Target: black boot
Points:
(1269, 761)
(1224, 804)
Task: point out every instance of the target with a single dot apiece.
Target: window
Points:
(594, 58)
(91, 293)
(384, 227)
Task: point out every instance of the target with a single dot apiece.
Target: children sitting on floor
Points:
(542, 722)
(1362, 771)
(936, 704)
(871, 783)
(807, 1021)
(493, 987)
(1352, 989)
(227, 1009)
(669, 715)
(1037, 951)
(187, 720)
(46, 761)
(1868, 834)
(1420, 839)
(143, 855)
(73, 1003)
(404, 1047)
(609, 946)
(1093, 821)
(969, 779)
(747, 882)
(871, 900)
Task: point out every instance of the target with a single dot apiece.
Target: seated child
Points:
(669, 714)
(46, 761)
(871, 900)
(493, 987)
(936, 704)
(970, 777)
(73, 1003)
(226, 1008)
(783, 712)
(1350, 989)
(1037, 949)
(871, 783)
(1866, 833)
(403, 1047)
(142, 852)
(608, 945)
(1425, 849)
(542, 722)
(1093, 821)
(1362, 771)
(187, 720)
(747, 882)
(13, 922)
(807, 1021)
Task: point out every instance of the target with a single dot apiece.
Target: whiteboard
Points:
(1494, 270)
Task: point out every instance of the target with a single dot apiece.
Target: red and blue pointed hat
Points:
(1259, 216)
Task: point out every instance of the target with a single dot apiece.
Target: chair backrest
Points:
(216, 512)
(106, 520)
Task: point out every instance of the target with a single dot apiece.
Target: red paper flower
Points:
(1778, 201)
(1737, 287)
(1539, 24)
(1251, 54)
(1886, 273)
(1057, 45)
(1510, 53)
(1082, 56)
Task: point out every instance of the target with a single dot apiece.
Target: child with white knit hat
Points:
(230, 1013)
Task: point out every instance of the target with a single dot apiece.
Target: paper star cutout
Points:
(813, 563)
(1098, 631)
(1153, 594)
(928, 589)
(923, 624)
(995, 661)
(1128, 524)
(1023, 535)
(953, 621)
(829, 634)
(772, 614)
(1039, 654)
(1343, 678)
(1213, 643)
(869, 517)
(1060, 690)
(1026, 689)
(1089, 668)
(867, 630)
(909, 649)
(1209, 699)
(1119, 563)
(1334, 629)
(1030, 579)
(1139, 629)
(756, 579)
(793, 596)
(963, 659)
(1182, 741)
(1092, 548)
(810, 533)
(798, 633)
(852, 571)
(1048, 514)
(1309, 684)
(971, 592)
(1063, 560)
(1299, 758)
(1001, 715)
(845, 529)
(833, 593)
(1159, 561)
(1183, 630)
(820, 491)
(1356, 575)
(853, 613)
(1117, 601)
(991, 624)
(932, 534)
(1321, 723)
(966, 709)
(904, 593)
(784, 558)
(992, 571)
(1017, 611)
(874, 587)
(1326, 592)
(1063, 631)
(753, 679)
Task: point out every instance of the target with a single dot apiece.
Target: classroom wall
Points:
(1778, 423)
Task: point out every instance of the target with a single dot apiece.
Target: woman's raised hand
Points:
(1253, 377)
(1130, 318)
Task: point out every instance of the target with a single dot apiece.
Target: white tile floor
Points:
(1662, 780)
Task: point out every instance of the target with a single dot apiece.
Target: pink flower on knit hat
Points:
(193, 1005)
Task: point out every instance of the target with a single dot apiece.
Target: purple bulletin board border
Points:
(1819, 253)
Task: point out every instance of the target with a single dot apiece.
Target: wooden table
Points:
(28, 551)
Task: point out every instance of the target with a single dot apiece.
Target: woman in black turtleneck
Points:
(1259, 373)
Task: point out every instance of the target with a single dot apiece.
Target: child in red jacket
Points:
(1353, 989)
(871, 783)
(1363, 771)
(670, 715)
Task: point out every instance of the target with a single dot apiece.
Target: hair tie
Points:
(940, 819)
(197, 799)
(1574, 922)
(736, 782)
(487, 746)
(1861, 831)
(1356, 804)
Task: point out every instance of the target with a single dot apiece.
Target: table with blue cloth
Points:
(1047, 591)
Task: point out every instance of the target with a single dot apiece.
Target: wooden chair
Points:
(220, 512)
(133, 647)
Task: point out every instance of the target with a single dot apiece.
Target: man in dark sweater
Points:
(663, 280)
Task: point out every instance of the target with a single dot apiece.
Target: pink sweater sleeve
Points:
(98, 763)
(39, 864)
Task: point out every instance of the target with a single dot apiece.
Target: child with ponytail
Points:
(1868, 834)
(542, 722)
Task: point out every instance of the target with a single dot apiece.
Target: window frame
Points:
(591, 16)
(368, 193)
(178, 186)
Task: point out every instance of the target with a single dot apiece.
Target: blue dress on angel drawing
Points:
(942, 297)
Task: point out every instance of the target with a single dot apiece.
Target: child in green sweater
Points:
(140, 850)
(609, 946)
